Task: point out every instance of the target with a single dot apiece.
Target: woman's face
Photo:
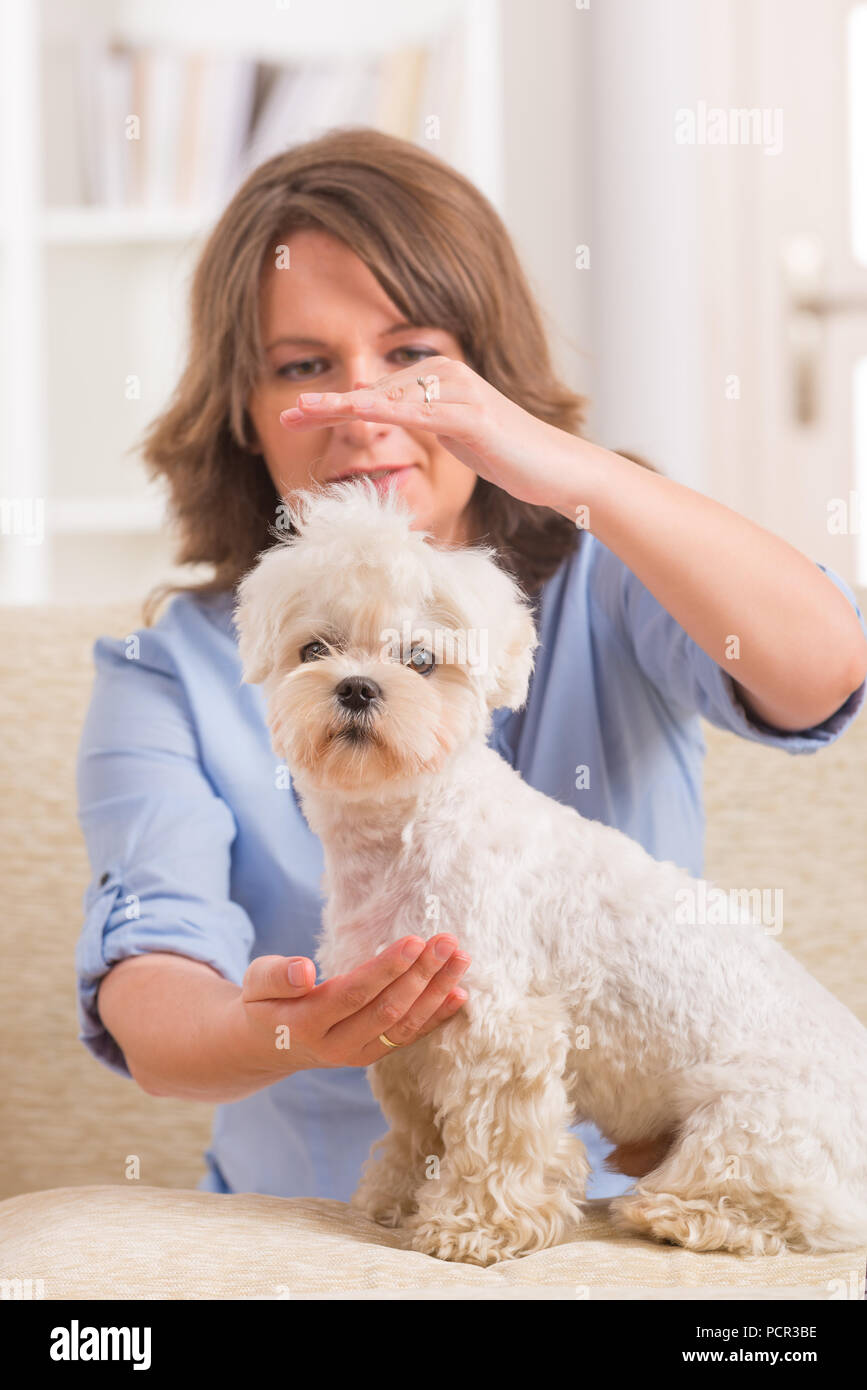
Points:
(327, 325)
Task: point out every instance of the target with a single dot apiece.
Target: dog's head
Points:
(380, 653)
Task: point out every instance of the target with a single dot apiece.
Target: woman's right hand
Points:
(406, 992)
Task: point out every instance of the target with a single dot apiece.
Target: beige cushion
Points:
(147, 1242)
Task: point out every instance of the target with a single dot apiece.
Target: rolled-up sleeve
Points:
(691, 681)
(158, 836)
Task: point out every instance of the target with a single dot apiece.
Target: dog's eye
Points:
(421, 660)
(313, 651)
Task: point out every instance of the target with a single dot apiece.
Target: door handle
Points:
(810, 305)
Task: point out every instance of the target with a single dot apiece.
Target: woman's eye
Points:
(308, 367)
(421, 660)
(300, 371)
(313, 651)
(415, 354)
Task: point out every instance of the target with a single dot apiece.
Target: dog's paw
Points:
(472, 1247)
(384, 1209)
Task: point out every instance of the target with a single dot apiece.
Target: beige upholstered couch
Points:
(74, 1220)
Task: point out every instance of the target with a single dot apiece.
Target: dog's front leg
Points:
(399, 1161)
(512, 1174)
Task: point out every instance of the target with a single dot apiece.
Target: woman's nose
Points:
(358, 433)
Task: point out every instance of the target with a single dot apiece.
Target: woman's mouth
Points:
(387, 476)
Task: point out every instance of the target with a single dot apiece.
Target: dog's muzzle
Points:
(357, 693)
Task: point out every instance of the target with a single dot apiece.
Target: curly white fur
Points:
(588, 998)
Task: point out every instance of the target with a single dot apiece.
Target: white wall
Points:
(547, 137)
(590, 158)
(647, 259)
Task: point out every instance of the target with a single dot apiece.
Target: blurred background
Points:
(685, 181)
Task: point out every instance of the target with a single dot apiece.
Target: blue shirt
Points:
(197, 844)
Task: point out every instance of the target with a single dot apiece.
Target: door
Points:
(785, 219)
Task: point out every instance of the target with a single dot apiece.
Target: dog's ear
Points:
(263, 611)
(515, 658)
(484, 596)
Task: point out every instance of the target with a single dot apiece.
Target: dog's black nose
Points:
(357, 692)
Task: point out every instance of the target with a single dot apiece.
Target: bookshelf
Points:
(97, 240)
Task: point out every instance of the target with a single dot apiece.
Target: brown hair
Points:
(441, 253)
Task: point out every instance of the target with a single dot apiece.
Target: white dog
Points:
(381, 656)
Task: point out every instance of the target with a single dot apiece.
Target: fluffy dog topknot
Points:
(353, 510)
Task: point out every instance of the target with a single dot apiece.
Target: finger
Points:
(278, 977)
(343, 995)
(453, 1001)
(439, 369)
(452, 1004)
(416, 388)
(407, 388)
(429, 1002)
(433, 380)
(386, 1013)
(441, 417)
(440, 378)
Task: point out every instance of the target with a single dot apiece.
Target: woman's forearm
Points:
(800, 649)
(180, 1027)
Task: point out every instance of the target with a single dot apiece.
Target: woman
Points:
(341, 273)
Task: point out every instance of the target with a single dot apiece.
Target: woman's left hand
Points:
(532, 460)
